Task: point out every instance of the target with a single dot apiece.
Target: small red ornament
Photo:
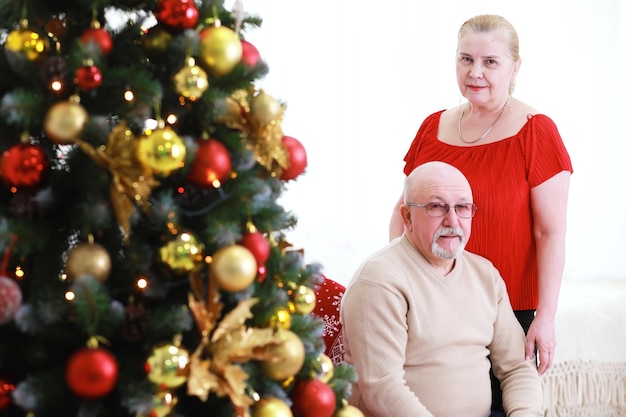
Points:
(91, 373)
(99, 36)
(256, 243)
(211, 165)
(88, 77)
(23, 165)
(10, 299)
(297, 158)
(312, 398)
(6, 388)
(250, 56)
(177, 14)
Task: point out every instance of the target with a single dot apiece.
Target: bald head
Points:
(432, 175)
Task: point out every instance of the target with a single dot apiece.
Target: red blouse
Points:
(501, 175)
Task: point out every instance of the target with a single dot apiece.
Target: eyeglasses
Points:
(464, 211)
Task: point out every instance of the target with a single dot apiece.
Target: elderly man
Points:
(424, 320)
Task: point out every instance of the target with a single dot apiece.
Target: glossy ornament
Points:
(87, 258)
(297, 158)
(349, 411)
(6, 389)
(156, 41)
(280, 319)
(99, 36)
(289, 357)
(10, 299)
(250, 56)
(234, 268)
(183, 254)
(65, 120)
(27, 43)
(211, 165)
(265, 109)
(312, 398)
(177, 14)
(220, 49)
(162, 150)
(23, 165)
(327, 368)
(191, 81)
(270, 407)
(91, 373)
(256, 243)
(167, 366)
(303, 300)
(163, 403)
(88, 77)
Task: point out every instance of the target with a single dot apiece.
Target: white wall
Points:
(359, 77)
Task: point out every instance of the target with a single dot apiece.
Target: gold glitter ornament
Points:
(281, 318)
(234, 268)
(265, 109)
(303, 300)
(191, 81)
(271, 407)
(183, 254)
(88, 258)
(28, 43)
(162, 150)
(167, 366)
(65, 120)
(289, 357)
(220, 49)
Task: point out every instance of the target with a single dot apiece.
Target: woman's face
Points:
(484, 67)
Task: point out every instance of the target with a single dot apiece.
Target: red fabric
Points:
(501, 175)
(329, 296)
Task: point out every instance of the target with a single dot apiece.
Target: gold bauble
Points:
(271, 407)
(281, 318)
(327, 368)
(88, 258)
(265, 109)
(220, 49)
(155, 42)
(191, 81)
(163, 403)
(28, 43)
(234, 267)
(289, 354)
(167, 366)
(183, 254)
(303, 300)
(162, 150)
(349, 411)
(65, 120)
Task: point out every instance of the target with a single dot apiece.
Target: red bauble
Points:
(23, 165)
(312, 398)
(250, 56)
(212, 163)
(10, 299)
(177, 14)
(256, 243)
(297, 158)
(91, 373)
(6, 388)
(99, 36)
(88, 77)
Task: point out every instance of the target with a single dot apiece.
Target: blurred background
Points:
(358, 80)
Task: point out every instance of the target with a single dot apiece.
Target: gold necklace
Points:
(488, 129)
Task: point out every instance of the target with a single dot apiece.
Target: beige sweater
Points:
(420, 341)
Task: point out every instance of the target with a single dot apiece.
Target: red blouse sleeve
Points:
(544, 151)
(429, 127)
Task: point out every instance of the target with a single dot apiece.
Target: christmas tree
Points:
(145, 267)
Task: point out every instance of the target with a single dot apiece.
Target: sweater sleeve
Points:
(378, 329)
(521, 389)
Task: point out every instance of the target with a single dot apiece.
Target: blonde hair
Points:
(491, 23)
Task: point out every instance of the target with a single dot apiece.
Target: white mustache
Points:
(449, 231)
